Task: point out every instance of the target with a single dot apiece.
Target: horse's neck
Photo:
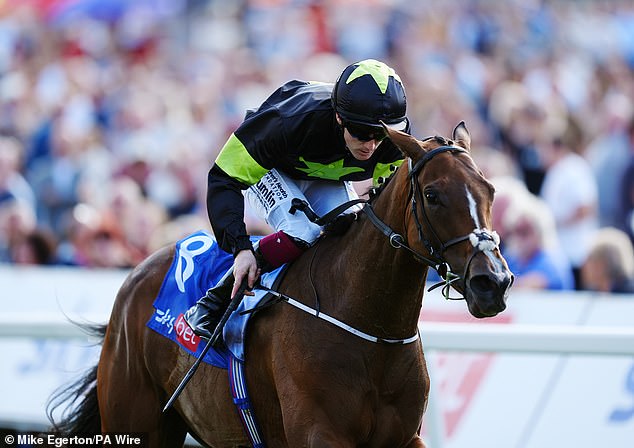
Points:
(379, 288)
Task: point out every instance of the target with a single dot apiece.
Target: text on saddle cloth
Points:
(198, 264)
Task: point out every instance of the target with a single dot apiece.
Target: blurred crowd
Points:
(112, 112)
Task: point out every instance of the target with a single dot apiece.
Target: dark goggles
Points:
(365, 133)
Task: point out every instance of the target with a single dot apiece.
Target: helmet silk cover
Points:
(369, 92)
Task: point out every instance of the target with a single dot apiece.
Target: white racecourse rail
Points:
(440, 336)
(552, 370)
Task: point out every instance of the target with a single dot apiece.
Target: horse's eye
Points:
(431, 197)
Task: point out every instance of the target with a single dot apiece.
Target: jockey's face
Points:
(360, 149)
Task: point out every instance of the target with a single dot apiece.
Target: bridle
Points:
(481, 239)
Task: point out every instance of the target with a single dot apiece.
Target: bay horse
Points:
(313, 384)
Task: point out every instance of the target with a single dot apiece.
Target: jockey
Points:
(308, 140)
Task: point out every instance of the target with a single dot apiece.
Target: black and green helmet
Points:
(368, 92)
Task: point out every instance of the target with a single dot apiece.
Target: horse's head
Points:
(449, 219)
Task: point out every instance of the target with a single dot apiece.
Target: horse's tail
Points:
(81, 412)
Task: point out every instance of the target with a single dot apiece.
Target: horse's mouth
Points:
(485, 307)
(486, 294)
(478, 313)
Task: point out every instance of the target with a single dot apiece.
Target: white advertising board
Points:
(535, 400)
(31, 369)
(483, 399)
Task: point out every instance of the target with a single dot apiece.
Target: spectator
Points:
(13, 186)
(153, 96)
(108, 247)
(609, 267)
(626, 192)
(35, 248)
(609, 154)
(570, 191)
(532, 249)
(136, 216)
(95, 238)
(55, 179)
(17, 220)
(509, 190)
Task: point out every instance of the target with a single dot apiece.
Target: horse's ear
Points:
(461, 133)
(409, 146)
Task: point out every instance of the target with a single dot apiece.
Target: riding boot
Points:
(270, 252)
(208, 310)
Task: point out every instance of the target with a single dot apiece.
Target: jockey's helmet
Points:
(368, 92)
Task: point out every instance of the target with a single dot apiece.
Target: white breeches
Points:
(271, 198)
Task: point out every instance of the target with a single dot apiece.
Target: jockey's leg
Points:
(206, 313)
(279, 248)
(272, 251)
(271, 200)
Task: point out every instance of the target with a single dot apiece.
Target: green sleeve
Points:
(235, 160)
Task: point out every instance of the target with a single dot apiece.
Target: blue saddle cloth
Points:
(199, 263)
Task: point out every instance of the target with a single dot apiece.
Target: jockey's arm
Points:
(237, 168)
(225, 207)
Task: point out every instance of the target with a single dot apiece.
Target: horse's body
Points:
(313, 384)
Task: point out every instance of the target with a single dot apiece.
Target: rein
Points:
(436, 262)
(481, 239)
(398, 242)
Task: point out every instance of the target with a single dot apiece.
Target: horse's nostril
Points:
(490, 284)
(482, 284)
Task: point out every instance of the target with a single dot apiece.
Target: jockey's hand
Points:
(245, 266)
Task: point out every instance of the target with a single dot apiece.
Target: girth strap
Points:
(241, 399)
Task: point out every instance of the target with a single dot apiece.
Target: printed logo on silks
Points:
(185, 335)
(270, 190)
